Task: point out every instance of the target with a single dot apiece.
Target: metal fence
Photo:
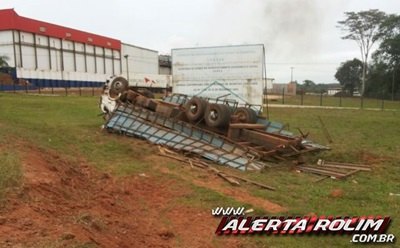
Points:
(380, 100)
(64, 88)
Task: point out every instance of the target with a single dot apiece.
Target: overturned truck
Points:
(220, 130)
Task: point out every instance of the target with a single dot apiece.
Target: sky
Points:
(302, 34)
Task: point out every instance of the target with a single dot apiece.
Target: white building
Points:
(49, 55)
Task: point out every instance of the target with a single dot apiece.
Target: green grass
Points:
(10, 171)
(354, 102)
(70, 125)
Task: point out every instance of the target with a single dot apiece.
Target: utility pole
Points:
(393, 84)
(127, 67)
(291, 74)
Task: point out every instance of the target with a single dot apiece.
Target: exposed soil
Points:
(64, 204)
(373, 159)
(336, 193)
(215, 183)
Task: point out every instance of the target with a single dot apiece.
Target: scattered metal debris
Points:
(333, 170)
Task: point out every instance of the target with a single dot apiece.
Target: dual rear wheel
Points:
(216, 115)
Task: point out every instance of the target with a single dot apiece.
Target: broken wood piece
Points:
(191, 164)
(294, 148)
(253, 182)
(228, 179)
(321, 179)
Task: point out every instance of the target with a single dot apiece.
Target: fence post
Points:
(362, 101)
(302, 95)
(283, 96)
(320, 99)
(66, 89)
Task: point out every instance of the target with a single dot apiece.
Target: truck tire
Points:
(195, 108)
(246, 115)
(217, 115)
(118, 86)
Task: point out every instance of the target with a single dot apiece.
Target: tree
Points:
(389, 50)
(349, 75)
(386, 67)
(308, 83)
(379, 80)
(364, 27)
(3, 61)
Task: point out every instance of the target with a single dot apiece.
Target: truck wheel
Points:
(195, 108)
(246, 115)
(118, 85)
(217, 115)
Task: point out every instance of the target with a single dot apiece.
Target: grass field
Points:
(354, 102)
(70, 125)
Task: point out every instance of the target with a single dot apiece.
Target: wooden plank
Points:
(351, 173)
(321, 171)
(257, 147)
(228, 179)
(247, 126)
(244, 143)
(346, 167)
(350, 164)
(253, 182)
(279, 157)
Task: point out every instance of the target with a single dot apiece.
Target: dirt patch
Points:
(215, 183)
(239, 194)
(64, 204)
(373, 159)
(336, 193)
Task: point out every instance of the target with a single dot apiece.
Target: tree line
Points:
(376, 74)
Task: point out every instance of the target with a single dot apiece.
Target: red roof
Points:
(10, 20)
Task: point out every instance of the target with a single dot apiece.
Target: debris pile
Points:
(221, 130)
(334, 170)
